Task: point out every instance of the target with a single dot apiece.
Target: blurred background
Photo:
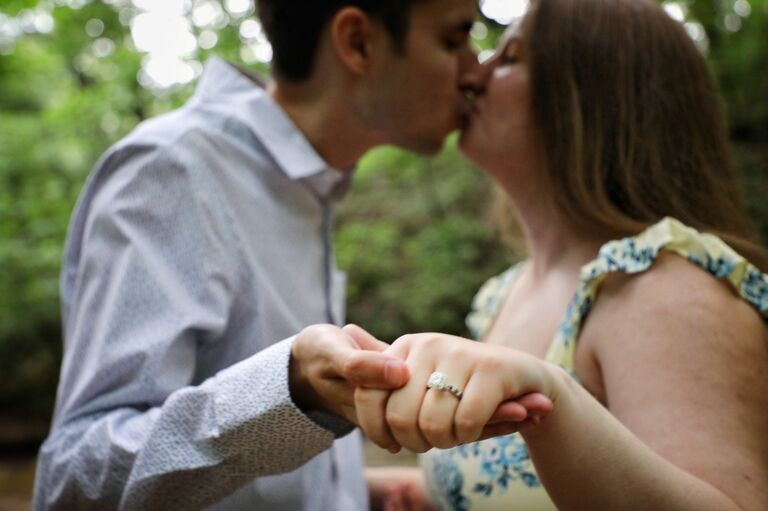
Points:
(415, 234)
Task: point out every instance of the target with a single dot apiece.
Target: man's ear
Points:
(351, 32)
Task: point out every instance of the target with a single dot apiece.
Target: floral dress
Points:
(497, 473)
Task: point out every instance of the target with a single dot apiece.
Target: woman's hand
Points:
(489, 376)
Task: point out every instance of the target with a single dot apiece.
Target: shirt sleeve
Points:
(152, 285)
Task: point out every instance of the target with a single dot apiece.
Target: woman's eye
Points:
(511, 54)
(509, 59)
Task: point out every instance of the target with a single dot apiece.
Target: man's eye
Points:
(453, 44)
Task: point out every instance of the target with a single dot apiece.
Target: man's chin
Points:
(427, 147)
(464, 143)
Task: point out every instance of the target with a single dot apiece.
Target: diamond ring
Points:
(439, 381)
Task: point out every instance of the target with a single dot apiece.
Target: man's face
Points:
(414, 98)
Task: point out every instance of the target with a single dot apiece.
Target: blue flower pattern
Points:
(502, 460)
(450, 480)
(754, 288)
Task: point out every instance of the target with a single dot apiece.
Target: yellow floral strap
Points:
(487, 302)
(636, 254)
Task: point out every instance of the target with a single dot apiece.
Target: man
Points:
(201, 246)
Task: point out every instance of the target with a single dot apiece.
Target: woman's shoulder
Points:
(675, 313)
(672, 283)
(702, 258)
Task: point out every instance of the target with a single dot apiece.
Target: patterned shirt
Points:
(200, 245)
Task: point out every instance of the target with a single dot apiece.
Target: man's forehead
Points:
(446, 12)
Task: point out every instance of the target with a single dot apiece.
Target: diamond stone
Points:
(437, 381)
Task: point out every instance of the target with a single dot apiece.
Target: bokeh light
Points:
(504, 11)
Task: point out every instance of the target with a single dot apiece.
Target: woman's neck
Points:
(552, 241)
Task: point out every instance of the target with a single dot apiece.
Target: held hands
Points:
(504, 391)
(352, 374)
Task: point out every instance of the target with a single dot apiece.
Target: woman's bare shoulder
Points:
(682, 362)
(673, 290)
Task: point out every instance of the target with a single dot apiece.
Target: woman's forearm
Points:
(588, 460)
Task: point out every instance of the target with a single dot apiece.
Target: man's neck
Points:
(327, 120)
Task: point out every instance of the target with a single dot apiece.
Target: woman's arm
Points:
(684, 370)
(685, 378)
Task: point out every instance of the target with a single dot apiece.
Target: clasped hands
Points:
(383, 388)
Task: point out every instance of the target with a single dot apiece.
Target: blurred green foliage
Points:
(414, 234)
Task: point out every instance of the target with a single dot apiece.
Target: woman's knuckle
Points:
(397, 421)
(432, 428)
(467, 425)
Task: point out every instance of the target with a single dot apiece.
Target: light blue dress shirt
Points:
(199, 247)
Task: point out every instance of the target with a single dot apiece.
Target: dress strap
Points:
(487, 302)
(636, 254)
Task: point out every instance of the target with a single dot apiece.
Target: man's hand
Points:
(328, 363)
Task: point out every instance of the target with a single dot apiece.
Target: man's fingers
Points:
(373, 370)
(367, 366)
(507, 428)
(364, 339)
(537, 404)
(509, 411)
(350, 413)
(529, 405)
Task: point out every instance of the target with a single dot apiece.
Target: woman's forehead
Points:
(513, 31)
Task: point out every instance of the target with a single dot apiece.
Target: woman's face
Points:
(499, 133)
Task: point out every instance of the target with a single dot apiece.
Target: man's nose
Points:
(473, 74)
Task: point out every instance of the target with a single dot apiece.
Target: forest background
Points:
(414, 234)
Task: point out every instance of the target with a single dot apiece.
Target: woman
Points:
(601, 123)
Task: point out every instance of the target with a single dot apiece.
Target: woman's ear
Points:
(351, 32)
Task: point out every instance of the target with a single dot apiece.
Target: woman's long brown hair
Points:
(632, 125)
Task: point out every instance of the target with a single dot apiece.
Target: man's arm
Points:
(154, 286)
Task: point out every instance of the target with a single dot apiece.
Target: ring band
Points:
(439, 381)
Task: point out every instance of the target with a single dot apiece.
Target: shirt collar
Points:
(249, 102)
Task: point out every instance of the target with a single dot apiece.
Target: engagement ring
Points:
(439, 381)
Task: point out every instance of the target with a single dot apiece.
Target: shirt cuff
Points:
(337, 425)
(253, 398)
(259, 386)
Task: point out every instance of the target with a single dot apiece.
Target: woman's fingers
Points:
(371, 404)
(436, 417)
(419, 418)
(370, 410)
(482, 395)
(403, 407)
